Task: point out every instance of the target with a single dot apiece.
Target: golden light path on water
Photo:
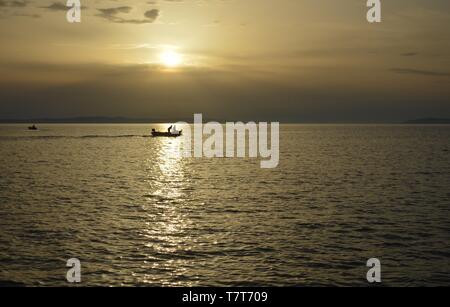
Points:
(166, 230)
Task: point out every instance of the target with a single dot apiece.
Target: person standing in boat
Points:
(170, 128)
(174, 130)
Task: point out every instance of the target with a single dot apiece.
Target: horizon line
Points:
(147, 120)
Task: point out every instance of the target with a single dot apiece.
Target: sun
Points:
(170, 58)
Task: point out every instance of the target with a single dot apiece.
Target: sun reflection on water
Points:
(166, 227)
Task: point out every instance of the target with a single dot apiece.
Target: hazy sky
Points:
(287, 60)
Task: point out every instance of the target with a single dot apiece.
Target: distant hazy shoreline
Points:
(126, 120)
(84, 120)
(429, 121)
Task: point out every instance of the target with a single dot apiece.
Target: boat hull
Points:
(165, 134)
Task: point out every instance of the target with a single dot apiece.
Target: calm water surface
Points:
(112, 198)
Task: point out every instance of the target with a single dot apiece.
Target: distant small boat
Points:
(166, 134)
(32, 128)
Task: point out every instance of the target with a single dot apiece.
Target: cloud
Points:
(15, 8)
(420, 72)
(13, 3)
(113, 11)
(111, 14)
(152, 14)
(58, 6)
(55, 7)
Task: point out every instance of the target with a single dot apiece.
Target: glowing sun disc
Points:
(170, 58)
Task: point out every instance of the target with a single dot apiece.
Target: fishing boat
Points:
(32, 128)
(166, 134)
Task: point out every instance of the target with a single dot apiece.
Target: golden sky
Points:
(287, 60)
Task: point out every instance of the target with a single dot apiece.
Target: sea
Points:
(133, 215)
